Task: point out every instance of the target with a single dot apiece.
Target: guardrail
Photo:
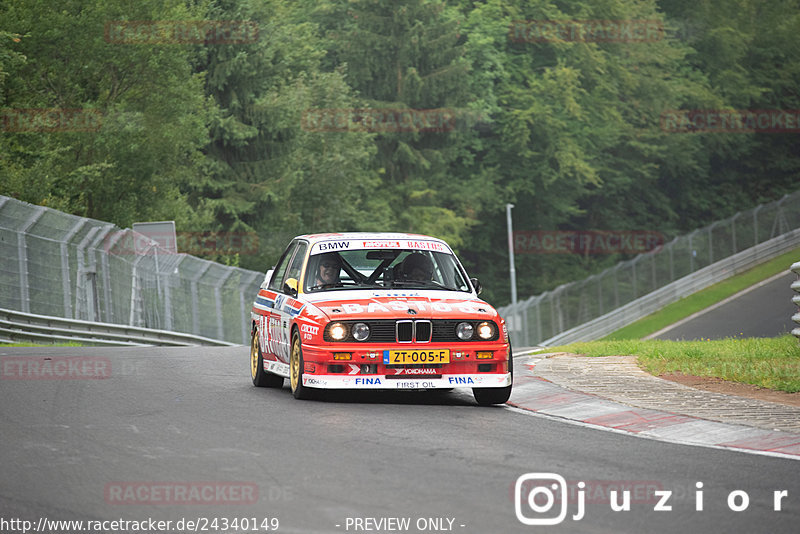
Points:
(796, 298)
(543, 317)
(54, 263)
(679, 289)
(18, 326)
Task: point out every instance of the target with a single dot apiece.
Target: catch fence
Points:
(56, 264)
(559, 315)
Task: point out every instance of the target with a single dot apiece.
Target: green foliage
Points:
(151, 108)
(213, 135)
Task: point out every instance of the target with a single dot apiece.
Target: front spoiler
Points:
(481, 380)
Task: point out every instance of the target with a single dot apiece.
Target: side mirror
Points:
(267, 278)
(290, 287)
(477, 285)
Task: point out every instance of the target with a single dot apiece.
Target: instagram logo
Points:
(535, 496)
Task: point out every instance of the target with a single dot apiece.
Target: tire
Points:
(490, 396)
(261, 378)
(296, 367)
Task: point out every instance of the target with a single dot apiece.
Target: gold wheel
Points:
(294, 362)
(254, 355)
(296, 370)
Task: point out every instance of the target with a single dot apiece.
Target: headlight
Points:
(360, 331)
(337, 331)
(464, 331)
(485, 330)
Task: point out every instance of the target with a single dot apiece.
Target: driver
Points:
(328, 269)
(417, 266)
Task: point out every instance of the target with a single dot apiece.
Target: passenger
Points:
(417, 266)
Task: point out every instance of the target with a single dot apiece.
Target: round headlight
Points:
(464, 331)
(337, 331)
(360, 331)
(485, 330)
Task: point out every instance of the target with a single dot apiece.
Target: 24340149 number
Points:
(406, 357)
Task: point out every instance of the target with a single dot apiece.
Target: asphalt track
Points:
(763, 310)
(178, 418)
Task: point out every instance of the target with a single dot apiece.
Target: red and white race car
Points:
(377, 311)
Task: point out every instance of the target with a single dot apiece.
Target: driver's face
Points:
(418, 273)
(327, 271)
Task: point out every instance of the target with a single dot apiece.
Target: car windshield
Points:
(384, 269)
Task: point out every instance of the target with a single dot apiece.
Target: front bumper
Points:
(369, 381)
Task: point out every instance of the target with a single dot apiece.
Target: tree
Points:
(411, 57)
(149, 107)
(268, 172)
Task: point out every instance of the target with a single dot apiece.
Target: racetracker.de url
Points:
(144, 526)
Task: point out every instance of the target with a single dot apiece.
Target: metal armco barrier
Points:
(31, 328)
(55, 264)
(591, 308)
(708, 276)
(796, 298)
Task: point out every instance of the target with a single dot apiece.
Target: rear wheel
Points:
(489, 396)
(296, 368)
(261, 378)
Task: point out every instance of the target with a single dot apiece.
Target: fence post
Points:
(711, 242)
(137, 306)
(93, 251)
(196, 299)
(168, 294)
(66, 285)
(22, 255)
(218, 297)
(755, 224)
(780, 225)
(692, 252)
(83, 293)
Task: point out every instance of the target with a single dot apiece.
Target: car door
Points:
(280, 324)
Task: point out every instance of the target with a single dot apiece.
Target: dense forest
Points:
(293, 122)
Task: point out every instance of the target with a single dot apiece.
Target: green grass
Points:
(772, 363)
(705, 298)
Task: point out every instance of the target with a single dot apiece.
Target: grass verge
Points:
(705, 298)
(772, 363)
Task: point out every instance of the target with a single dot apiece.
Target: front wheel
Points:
(261, 378)
(296, 368)
(489, 396)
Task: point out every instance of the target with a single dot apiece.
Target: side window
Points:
(276, 284)
(296, 267)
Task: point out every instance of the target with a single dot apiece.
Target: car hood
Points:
(414, 305)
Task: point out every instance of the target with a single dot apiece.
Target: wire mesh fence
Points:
(544, 317)
(53, 263)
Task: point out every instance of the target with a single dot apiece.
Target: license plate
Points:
(406, 357)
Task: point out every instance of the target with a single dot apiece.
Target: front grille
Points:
(403, 330)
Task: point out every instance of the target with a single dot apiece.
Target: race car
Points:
(376, 311)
